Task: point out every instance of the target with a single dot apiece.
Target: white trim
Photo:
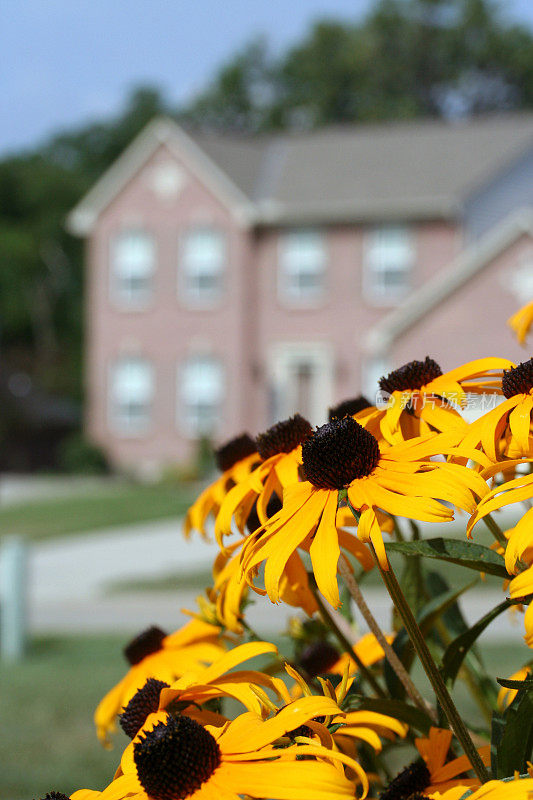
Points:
(81, 220)
(448, 280)
(280, 357)
(206, 301)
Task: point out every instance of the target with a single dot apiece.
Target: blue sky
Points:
(65, 62)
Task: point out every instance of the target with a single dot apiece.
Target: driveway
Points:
(69, 580)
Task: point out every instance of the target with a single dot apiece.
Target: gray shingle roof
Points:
(402, 170)
(421, 168)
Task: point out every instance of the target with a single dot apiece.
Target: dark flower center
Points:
(348, 407)
(338, 453)
(410, 781)
(55, 796)
(145, 701)
(318, 658)
(174, 759)
(233, 451)
(411, 376)
(518, 380)
(146, 643)
(284, 436)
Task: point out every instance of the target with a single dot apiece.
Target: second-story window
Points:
(200, 395)
(131, 395)
(302, 267)
(133, 259)
(203, 261)
(389, 257)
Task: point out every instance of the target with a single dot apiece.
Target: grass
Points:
(122, 504)
(48, 740)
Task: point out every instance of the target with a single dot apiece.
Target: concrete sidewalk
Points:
(69, 578)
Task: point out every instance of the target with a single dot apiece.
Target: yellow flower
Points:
(506, 429)
(506, 695)
(521, 321)
(342, 458)
(235, 460)
(230, 587)
(354, 726)
(280, 449)
(177, 757)
(516, 789)
(432, 776)
(321, 657)
(153, 654)
(423, 399)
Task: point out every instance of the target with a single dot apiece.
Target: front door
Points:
(301, 379)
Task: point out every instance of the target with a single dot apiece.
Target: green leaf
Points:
(436, 607)
(465, 554)
(412, 716)
(508, 683)
(458, 649)
(516, 742)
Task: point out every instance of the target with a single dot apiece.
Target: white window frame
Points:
(291, 292)
(195, 296)
(188, 419)
(283, 357)
(122, 295)
(121, 423)
(380, 260)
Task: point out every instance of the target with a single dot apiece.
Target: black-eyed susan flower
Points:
(421, 398)
(280, 450)
(342, 459)
(521, 321)
(519, 788)
(154, 654)
(196, 689)
(235, 460)
(431, 775)
(178, 758)
(321, 657)
(230, 588)
(506, 429)
(350, 408)
(349, 728)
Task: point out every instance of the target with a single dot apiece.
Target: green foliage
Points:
(458, 649)
(464, 553)
(512, 736)
(77, 455)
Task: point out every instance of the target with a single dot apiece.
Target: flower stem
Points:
(390, 654)
(431, 669)
(343, 641)
(495, 529)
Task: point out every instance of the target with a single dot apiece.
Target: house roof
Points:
(402, 170)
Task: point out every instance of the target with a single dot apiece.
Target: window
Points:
(131, 395)
(132, 268)
(201, 393)
(203, 263)
(302, 267)
(388, 263)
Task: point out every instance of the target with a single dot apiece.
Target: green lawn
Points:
(48, 740)
(117, 505)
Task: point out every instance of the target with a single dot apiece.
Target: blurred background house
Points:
(232, 281)
(267, 229)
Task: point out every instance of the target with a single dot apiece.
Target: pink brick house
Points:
(233, 281)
